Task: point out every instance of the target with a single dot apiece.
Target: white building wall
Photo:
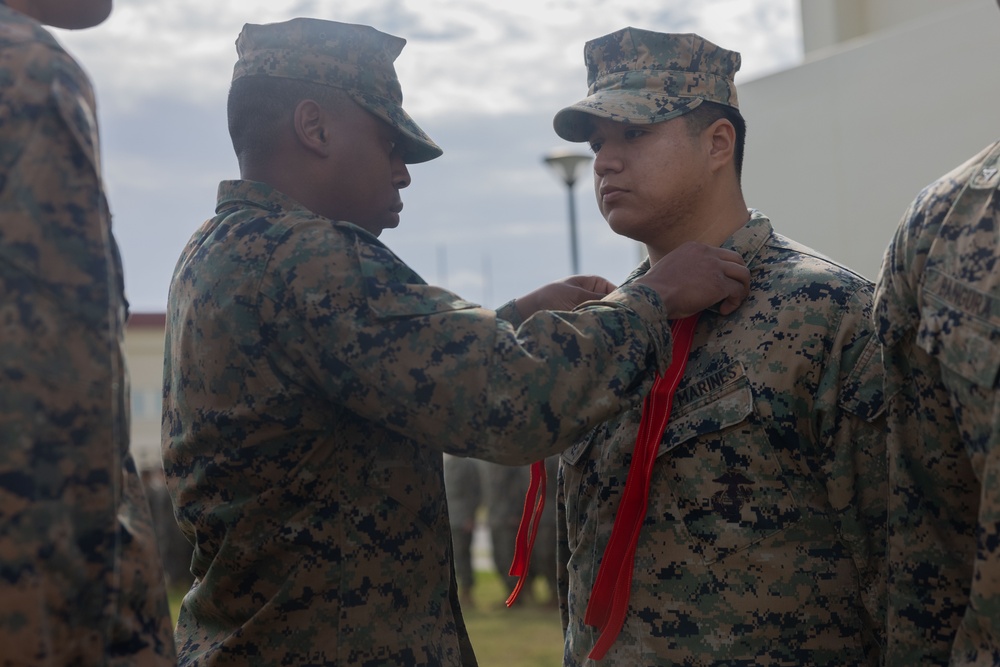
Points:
(144, 356)
(827, 23)
(837, 147)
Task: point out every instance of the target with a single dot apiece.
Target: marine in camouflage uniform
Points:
(80, 578)
(312, 381)
(764, 538)
(463, 485)
(938, 316)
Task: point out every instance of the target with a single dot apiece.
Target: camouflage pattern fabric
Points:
(643, 77)
(311, 382)
(765, 535)
(80, 578)
(938, 317)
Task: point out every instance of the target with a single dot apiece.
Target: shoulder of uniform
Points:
(807, 265)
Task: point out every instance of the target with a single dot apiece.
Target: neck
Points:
(711, 226)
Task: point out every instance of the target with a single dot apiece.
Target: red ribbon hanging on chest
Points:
(609, 598)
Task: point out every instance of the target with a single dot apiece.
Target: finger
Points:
(587, 295)
(738, 287)
(738, 272)
(730, 256)
(592, 283)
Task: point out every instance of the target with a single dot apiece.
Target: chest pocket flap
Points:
(708, 404)
(957, 328)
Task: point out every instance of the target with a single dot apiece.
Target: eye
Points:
(595, 146)
(634, 132)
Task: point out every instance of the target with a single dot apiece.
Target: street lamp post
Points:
(566, 164)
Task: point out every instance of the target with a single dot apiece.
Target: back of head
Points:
(280, 64)
(260, 111)
(644, 77)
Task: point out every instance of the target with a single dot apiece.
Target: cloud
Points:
(490, 57)
(483, 78)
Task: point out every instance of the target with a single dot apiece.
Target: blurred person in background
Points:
(81, 581)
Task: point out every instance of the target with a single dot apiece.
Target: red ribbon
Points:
(609, 598)
(534, 503)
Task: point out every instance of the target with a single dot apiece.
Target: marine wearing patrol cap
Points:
(644, 77)
(354, 58)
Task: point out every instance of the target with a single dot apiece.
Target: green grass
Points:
(527, 635)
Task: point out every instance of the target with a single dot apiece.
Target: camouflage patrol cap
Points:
(354, 58)
(643, 77)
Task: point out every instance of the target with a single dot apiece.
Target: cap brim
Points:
(417, 146)
(575, 122)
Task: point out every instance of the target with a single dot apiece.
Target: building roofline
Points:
(146, 321)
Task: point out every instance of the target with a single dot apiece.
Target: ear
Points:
(720, 142)
(310, 121)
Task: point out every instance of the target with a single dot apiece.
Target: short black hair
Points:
(260, 106)
(707, 113)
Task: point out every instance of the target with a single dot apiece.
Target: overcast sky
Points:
(488, 219)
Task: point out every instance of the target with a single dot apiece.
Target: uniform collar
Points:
(747, 241)
(254, 193)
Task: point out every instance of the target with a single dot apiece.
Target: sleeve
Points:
(851, 427)
(418, 360)
(508, 311)
(897, 306)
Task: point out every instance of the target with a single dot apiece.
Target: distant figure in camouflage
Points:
(312, 380)
(508, 486)
(506, 489)
(463, 484)
(80, 579)
(937, 312)
(763, 541)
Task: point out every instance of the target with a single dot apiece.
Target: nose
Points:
(400, 174)
(606, 161)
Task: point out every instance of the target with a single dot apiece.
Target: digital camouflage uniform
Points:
(938, 316)
(764, 538)
(80, 579)
(763, 542)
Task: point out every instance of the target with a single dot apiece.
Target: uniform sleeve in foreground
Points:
(422, 362)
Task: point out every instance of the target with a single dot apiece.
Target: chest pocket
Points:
(717, 461)
(955, 329)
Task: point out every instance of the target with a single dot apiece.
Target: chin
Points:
(624, 228)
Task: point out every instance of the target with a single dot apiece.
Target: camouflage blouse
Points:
(80, 578)
(312, 382)
(764, 537)
(938, 316)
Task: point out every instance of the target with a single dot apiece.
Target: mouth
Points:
(396, 208)
(610, 194)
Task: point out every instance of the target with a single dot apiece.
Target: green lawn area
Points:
(527, 635)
